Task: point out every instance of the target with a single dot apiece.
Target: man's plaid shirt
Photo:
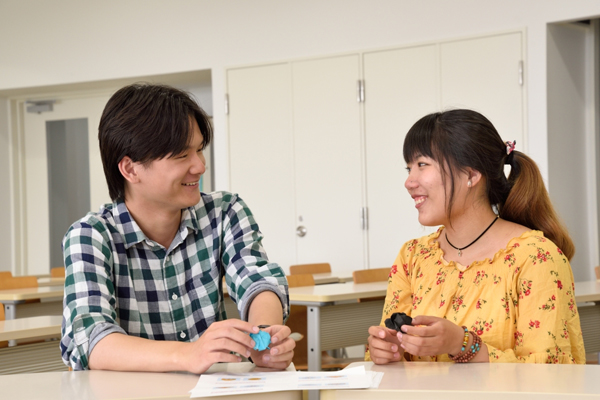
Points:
(118, 280)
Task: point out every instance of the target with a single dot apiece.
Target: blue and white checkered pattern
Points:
(118, 280)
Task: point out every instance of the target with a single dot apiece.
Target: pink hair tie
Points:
(510, 146)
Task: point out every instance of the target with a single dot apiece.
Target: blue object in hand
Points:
(261, 339)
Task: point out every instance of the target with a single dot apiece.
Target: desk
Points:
(104, 385)
(51, 301)
(30, 328)
(587, 296)
(346, 324)
(34, 357)
(334, 318)
(420, 380)
(332, 277)
(47, 281)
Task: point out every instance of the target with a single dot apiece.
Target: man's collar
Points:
(133, 234)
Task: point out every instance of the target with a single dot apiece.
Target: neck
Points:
(158, 223)
(468, 226)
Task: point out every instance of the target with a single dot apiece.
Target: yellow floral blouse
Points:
(521, 302)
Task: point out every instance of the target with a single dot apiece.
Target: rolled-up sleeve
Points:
(247, 268)
(89, 301)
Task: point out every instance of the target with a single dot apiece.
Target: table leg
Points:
(313, 331)
(10, 312)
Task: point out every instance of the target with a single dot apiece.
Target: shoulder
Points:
(100, 223)
(537, 249)
(426, 243)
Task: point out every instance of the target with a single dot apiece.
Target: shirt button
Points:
(167, 258)
(174, 297)
(182, 335)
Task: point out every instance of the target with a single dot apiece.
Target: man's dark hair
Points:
(146, 122)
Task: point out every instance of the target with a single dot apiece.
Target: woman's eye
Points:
(408, 169)
(421, 164)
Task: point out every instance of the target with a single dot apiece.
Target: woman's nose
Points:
(410, 182)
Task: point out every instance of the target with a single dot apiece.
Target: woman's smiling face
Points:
(426, 187)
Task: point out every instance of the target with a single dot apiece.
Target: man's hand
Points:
(281, 351)
(216, 344)
(384, 346)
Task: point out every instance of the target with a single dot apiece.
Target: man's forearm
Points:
(119, 352)
(266, 309)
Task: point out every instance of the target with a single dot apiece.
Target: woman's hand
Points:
(384, 346)
(281, 351)
(436, 336)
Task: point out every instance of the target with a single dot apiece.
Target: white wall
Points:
(5, 220)
(67, 41)
(571, 142)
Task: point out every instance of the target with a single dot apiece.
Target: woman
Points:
(494, 283)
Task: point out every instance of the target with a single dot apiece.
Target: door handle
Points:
(301, 231)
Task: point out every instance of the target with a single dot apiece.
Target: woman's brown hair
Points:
(461, 139)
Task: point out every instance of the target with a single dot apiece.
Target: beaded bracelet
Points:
(465, 357)
(464, 345)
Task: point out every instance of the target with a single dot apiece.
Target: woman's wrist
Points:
(465, 342)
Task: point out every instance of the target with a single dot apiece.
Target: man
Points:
(143, 290)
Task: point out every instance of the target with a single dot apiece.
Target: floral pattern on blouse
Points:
(521, 302)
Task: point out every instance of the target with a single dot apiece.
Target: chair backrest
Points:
(371, 275)
(5, 274)
(319, 268)
(58, 272)
(300, 280)
(18, 282)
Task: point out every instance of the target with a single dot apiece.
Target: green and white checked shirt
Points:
(118, 280)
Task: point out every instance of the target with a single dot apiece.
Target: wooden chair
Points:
(20, 282)
(297, 323)
(320, 268)
(371, 275)
(58, 272)
(5, 274)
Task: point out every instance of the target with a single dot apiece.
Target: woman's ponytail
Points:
(528, 203)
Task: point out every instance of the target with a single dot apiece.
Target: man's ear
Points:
(129, 170)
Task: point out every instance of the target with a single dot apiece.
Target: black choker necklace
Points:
(478, 237)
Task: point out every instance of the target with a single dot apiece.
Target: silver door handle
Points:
(301, 231)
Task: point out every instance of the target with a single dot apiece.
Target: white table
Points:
(48, 281)
(332, 277)
(50, 296)
(449, 381)
(105, 385)
(587, 296)
(334, 317)
(41, 356)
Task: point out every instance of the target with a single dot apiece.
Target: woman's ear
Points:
(129, 170)
(474, 177)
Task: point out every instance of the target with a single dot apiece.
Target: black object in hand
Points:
(397, 320)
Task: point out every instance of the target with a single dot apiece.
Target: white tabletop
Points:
(420, 380)
(101, 385)
(337, 292)
(587, 291)
(32, 327)
(51, 281)
(47, 292)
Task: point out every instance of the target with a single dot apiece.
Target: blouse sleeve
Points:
(399, 293)
(547, 328)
